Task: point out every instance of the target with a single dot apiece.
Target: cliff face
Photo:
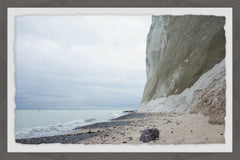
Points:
(185, 63)
(179, 50)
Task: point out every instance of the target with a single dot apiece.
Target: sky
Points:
(80, 61)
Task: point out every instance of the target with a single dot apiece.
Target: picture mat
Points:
(15, 147)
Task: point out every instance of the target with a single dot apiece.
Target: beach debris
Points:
(130, 138)
(106, 135)
(130, 111)
(122, 133)
(149, 135)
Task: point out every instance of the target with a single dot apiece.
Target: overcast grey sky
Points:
(80, 61)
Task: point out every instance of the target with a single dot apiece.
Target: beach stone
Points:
(149, 135)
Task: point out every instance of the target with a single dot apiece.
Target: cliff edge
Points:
(185, 65)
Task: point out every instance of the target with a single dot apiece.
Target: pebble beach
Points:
(174, 128)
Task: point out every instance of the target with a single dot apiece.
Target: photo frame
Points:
(3, 96)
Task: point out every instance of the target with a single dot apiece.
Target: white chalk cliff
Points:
(185, 66)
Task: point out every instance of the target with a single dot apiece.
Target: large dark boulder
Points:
(149, 135)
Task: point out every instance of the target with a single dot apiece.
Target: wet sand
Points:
(174, 128)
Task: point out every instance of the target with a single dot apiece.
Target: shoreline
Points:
(175, 128)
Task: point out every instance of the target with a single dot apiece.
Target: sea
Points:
(40, 123)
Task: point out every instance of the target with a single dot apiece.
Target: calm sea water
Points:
(39, 123)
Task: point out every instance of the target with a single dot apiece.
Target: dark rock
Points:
(122, 133)
(131, 115)
(106, 135)
(89, 132)
(149, 135)
(130, 111)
